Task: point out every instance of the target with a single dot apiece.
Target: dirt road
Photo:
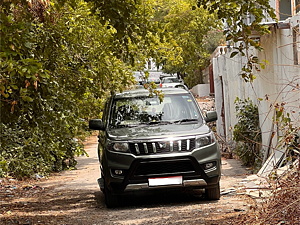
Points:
(73, 197)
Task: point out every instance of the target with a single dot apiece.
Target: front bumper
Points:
(137, 170)
(185, 184)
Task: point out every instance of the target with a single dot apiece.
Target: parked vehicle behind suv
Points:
(146, 144)
(172, 82)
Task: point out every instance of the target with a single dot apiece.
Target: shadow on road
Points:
(156, 198)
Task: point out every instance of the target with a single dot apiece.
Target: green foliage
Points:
(173, 33)
(178, 36)
(213, 39)
(288, 137)
(247, 133)
(236, 14)
(184, 46)
(135, 30)
(56, 70)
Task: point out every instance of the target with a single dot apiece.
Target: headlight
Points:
(119, 146)
(204, 140)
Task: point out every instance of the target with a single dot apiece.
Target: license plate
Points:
(161, 181)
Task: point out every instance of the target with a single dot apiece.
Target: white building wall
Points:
(278, 80)
(228, 86)
(217, 63)
(276, 84)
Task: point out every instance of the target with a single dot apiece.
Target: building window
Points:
(297, 6)
(285, 9)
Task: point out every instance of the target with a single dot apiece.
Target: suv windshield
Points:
(134, 111)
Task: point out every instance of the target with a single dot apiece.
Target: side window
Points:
(106, 112)
(192, 111)
(125, 112)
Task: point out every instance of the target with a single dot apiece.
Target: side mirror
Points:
(96, 124)
(211, 116)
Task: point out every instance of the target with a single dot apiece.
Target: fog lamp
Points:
(118, 172)
(209, 165)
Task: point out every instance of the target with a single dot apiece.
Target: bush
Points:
(247, 133)
(32, 150)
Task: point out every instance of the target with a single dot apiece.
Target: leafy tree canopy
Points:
(56, 69)
(187, 29)
(241, 18)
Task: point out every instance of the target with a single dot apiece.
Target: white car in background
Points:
(172, 82)
(152, 76)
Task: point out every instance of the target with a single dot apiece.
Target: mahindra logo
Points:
(162, 144)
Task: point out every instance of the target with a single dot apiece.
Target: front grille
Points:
(148, 148)
(178, 167)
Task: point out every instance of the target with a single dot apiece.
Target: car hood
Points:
(157, 131)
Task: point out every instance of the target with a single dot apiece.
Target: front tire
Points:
(111, 199)
(213, 193)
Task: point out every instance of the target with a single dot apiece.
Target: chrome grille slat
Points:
(137, 148)
(171, 146)
(145, 148)
(154, 147)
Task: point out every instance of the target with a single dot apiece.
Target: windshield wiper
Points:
(185, 120)
(125, 125)
(159, 122)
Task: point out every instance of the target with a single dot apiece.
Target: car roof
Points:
(145, 93)
(169, 77)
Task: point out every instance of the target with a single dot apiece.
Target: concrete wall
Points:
(201, 90)
(278, 83)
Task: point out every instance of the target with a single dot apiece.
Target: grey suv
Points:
(146, 143)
